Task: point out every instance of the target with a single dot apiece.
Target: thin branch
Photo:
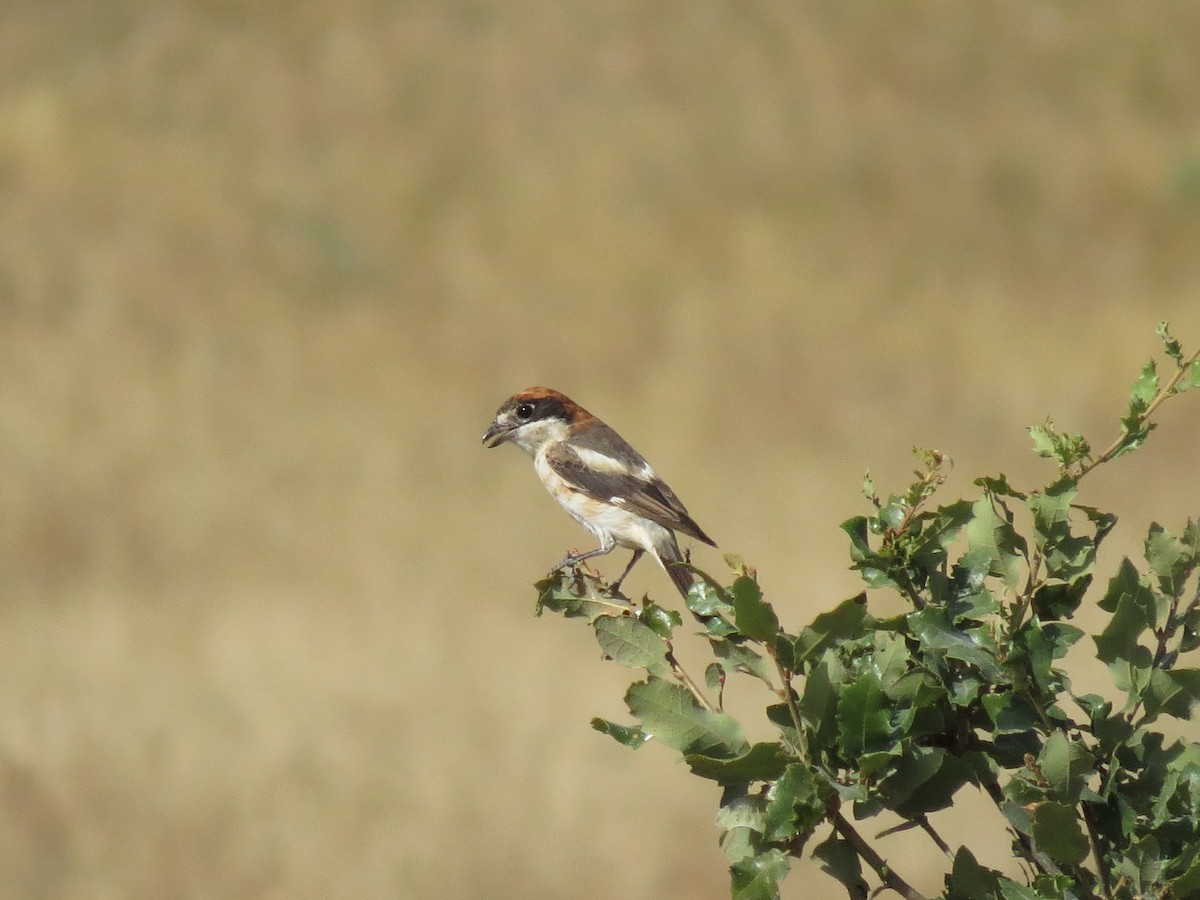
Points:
(685, 679)
(789, 697)
(1038, 860)
(1097, 855)
(1115, 447)
(935, 837)
(921, 822)
(885, 872)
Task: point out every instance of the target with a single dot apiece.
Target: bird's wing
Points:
(602, 465)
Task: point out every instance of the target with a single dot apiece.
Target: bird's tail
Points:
(668, 555)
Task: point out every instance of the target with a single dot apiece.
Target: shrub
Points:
(898, 714)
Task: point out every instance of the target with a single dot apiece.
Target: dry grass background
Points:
(267, 269)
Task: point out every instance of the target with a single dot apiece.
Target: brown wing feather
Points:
(651, 498)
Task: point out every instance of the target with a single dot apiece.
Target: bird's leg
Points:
(573, 559)
(616, 585)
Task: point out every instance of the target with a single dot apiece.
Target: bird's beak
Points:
(497, 434)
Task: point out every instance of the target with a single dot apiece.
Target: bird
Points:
(597, 477)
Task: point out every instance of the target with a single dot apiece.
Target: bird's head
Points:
(534, 418)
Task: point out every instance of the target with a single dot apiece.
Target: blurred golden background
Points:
(267, 270)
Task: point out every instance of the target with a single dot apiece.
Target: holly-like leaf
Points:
(757, 877)
(762, 762)
(627, 641)
(753, 616)
(794, 807)
(1171, 560)
(1171, 346)
(1172, 691)
(1118, 646)
(937, 635)
(659, 619)
(736, 656)
(846, 621)
(990, 534)
(669, 713)
(576, 595)
(863, 718)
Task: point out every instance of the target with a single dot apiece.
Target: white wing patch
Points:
(602, 462)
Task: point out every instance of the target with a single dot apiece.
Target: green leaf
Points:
(968, 880)
(737, 657)
(1011, 713)
(989, 534)
(838, 859)
(1145, 388)
(937, 635)
(890, 661)
(1141, 865)
(659, 619)
(1010, 890)
(863, 718)
(795, 806)
(1118, 646)
(762, 762)
(1187, 884)
(706, 598)
(938, 792)
(1169, 559)
(1057, 833)
(925, 780)
(1037, 645)
(1126, 583)
(753, 616)
(1065, 449)
(1173, 692)
(576, 595)
(668, 712)
(939, 532)
(1170, 346)
(714, 679)
(1134, 427)
(1065, 764)
(999, 486)
(758, 877)
(818, 702)
(740, 809)
(630, 643)
(628, 735)
(844, 622)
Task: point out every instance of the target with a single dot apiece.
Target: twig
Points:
(685, 679)
(789, 697)
(886, 874)
(1094, 840)
(921, 822)
(1163, 394)
(1038, 860)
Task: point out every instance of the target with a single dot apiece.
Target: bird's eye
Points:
(525, 410)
